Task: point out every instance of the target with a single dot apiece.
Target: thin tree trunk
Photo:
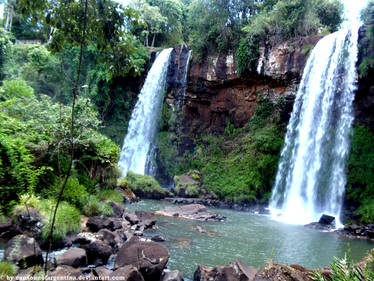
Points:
(75, 93)
(153, 40)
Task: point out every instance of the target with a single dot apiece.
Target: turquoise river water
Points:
(253, 239)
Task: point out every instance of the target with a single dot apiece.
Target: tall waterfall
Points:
(137, 147)
(311, 173)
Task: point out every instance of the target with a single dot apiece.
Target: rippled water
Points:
(251, 238)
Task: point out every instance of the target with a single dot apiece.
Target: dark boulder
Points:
(327, 220)
(158, 238)
(118, 209)
(75, 257)
(147, 219)
(111, 238)
(99, 222)
(23, 251)
(234, 271)
(149, 258)
(98, 252)
(131, 218)
(30, 221)
(101, 272)
(127, 273)
(8, 228)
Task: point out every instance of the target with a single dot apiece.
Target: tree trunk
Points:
(153, 40)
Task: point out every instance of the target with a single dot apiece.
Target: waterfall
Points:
(311, 174)
(136, 154)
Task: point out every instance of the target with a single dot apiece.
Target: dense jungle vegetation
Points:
(110, 46)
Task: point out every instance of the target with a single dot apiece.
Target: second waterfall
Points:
(136, 154)
(311, 174)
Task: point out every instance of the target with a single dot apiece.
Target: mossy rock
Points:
(145, 186)
(189, 185)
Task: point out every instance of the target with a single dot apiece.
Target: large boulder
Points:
(281, 272)
(118, 209)
(325, 223)
(327, 220)
(98, 252)
(149, 258)
(101, 272)
(191, 212)
(99, 222)
(234, 271)
(147, 219)
(127, 273)
(23, 251)
(30, 221)
(63, 272)
(74, 257)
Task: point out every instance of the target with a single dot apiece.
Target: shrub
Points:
(110, 195)
(68, 219)
(16, 89)
(7, 269)
(74, 192)
(145, 186)
(94, 207)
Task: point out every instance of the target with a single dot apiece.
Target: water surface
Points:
(253, 239)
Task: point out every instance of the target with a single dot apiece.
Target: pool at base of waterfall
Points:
(254, 239)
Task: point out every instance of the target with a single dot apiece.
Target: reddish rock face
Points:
(216, 93)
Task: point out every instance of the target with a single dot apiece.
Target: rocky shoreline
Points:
(114, 247)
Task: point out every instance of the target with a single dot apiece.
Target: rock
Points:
(127, 273)
(147, 219)
(65, 271)
(75, 257)
(8, 228)
(199, 229)
(23, 251)
(132, 218)
(30, 221)
(158, 238)
(128, 195)
(118, 209)
(149, 258)
(101, 272)
(98, 252)
(113, 239)
(188, 185)
(173, 275)
(280, 272)
(99, 222)
(192, 212)
(234, 271)
(327, 220)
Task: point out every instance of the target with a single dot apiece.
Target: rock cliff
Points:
(216, 93)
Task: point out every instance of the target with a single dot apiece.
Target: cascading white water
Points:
(311, 174)
(136, 151)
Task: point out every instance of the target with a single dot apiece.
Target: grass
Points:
(7, 269)
(143, 184)
(109, 195)
(95, 207)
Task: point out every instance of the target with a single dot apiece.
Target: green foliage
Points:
(247, 54)
(366, 65)
(367, 14)
(74, 192)
(7, 269)
(144, 184)
(15, 89)
(5, 49)
(94, 207)
(344, 270)
(109, 195)
(68, 219)
(360, 181)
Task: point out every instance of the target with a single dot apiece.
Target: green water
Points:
(251, 238)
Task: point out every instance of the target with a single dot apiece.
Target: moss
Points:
(95, 207)
(109, 195)
(145, 186)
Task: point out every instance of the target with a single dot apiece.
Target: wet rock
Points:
(75, 257)
(98, 252)
(127, 273)
(234, 271)
(327, 220)
(280, 272)
(149, 258)
(192, 212)
(65, 271)
(101, 272)
(158, 238)
(118, 209)
(8, 228)
(30, 221)
(111, 238)
(99, 222)
(132, 218)
(23, 251)
(173, 275)
(188, 185)
(147, 219)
